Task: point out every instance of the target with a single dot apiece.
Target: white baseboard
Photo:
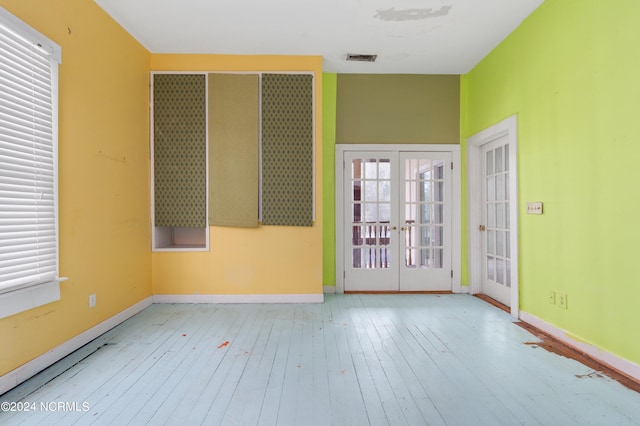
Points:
(238, 298)
(329, 289)
(621, 365)
(33, 367)
(460, 289)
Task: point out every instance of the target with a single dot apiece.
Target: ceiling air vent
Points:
(360, 57)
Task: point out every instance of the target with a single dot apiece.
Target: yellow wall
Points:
(103, 180)
(267, 260)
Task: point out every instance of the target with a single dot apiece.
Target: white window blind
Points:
(28, 156)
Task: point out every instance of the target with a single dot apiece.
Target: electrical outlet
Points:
(562, 300)
(92, 300)
(552, 297)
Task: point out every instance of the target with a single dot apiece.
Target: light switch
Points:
(534, 207)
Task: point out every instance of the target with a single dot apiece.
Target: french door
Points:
(492, 191)
(397, 221)
(496, 226)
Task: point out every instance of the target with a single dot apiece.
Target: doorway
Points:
(396, 219)
(493, 213)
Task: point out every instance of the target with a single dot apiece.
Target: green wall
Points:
(329, 87)
(389, 108)
(570, 72)
(398, 108)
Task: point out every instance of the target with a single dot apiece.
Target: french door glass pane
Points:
(431, 258)
(371, 169)
(506, 158)
(500, 187)
(357, 236)
(491, 215)
(357, 258)
(410, 258)
(370, 258)
(425, 213)
(370, 212)
(438, 169)
(438, 258)
(424, 257)
(385, 212)
(425, 167)
(357, 213)
(489, 163)
(438, 214)
(410, 167)
(411, 217)
(506, 186)
(384, 258)
(499, 243)
(438, 192)
(425, 235)
(500, 271)
(357, 190)
(491, 189)
(370, 190)
(506, 215)
(491, 242)
(438, 235)
(356, 169)
(425, 194)
(491, 268)
(384, 191)
(499, 215)
(384, 169)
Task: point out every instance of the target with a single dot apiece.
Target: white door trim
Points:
(456, 235)
(507, 127)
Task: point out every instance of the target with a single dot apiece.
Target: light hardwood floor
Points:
(354, 360)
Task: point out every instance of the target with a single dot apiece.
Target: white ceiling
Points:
(409, 36)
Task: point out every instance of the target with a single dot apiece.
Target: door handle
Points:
(393, 228)
(482, 228)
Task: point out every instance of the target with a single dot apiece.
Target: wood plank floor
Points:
(354, 360)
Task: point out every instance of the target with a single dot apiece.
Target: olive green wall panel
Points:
(287, 149)
(179, 137)
(394, 108)
(234, 143)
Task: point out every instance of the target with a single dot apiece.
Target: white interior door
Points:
(370, 221)
(397, 221)
(495, 223)
(426, 221)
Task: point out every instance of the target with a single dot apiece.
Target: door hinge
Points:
(452, 273)
(452, 165)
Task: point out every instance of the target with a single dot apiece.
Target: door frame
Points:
(507, 127)
(456, 207)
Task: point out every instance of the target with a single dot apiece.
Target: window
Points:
(28, 167)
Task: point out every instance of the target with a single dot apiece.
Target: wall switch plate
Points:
(552, 297)
(562, 300)
(534, 207)
(92, 300)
